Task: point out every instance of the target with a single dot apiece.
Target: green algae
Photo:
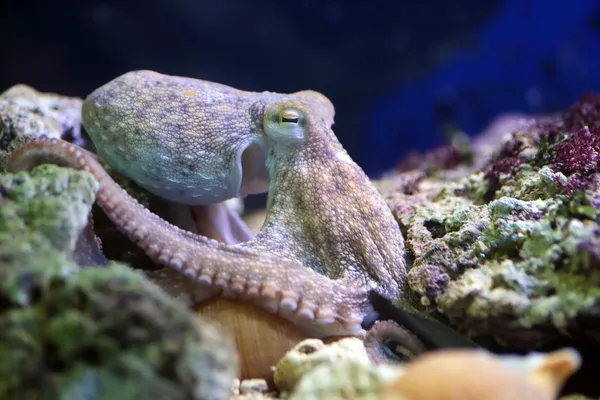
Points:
(106, 332)
(49, 204)
(74, 332)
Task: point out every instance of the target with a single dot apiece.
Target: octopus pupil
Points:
(292, 120)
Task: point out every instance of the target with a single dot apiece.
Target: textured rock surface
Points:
(506, 244)
(25, 111)
(102, 332)
(339, 370)
(310, 353)
(73, 332)
(45, 208)
(345, 380)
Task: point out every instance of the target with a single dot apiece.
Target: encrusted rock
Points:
(26, 112)
(49, 204)
(310, 353)
(346, 379)
(508, 247)
(72, 333)
(253, 386)
(79, 332)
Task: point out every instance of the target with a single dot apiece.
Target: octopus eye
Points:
(290, 117)
(285, 126)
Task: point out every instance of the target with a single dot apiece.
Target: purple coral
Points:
(579, 152)
(569, 142)
(507, 161)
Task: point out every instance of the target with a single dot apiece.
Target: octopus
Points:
(328, 241)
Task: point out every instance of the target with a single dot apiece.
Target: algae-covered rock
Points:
(47, 206)
(25, 111)
(507, 244)
(338, 370)
(93, 332)
(26, 114)
(310, 353)
(345, 380)
(102, 333)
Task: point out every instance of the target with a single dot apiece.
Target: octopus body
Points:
(328, 237)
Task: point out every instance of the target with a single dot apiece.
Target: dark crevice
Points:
(436, 228)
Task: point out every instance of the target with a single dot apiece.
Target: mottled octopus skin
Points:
(328, 236)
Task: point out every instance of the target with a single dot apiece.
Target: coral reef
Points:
(506, 246)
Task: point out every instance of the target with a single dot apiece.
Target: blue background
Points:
(397, 71)
(533, 56)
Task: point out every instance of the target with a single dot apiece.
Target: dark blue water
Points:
(533, 56)
(397, 71)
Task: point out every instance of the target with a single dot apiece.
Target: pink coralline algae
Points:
(579, 152)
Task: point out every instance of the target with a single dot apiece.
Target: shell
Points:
(555, 368)
(480, 375)
(310, 353)
(261, 337)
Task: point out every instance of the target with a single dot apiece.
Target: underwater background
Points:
(401, 74)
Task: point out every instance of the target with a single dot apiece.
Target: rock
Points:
(27, 112)
(345, 380)
(49, 207)
(85, 332)
(506, 243)
(248, 386)
(310, 353)
(102, 332)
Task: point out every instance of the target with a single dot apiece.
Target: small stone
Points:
(311, 353)
(235, 387)
(26, 112)
(248, 386)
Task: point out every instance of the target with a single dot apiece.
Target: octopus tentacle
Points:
(307, 298)
(386, 340)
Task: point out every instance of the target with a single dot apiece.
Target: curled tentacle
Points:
(387, 341)
(320, 305)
